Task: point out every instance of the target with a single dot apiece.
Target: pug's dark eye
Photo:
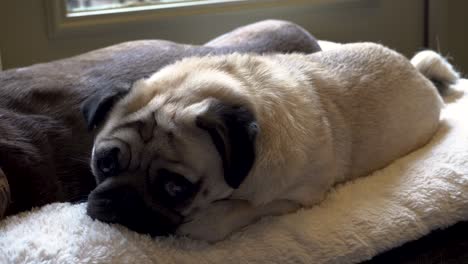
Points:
(173, 187)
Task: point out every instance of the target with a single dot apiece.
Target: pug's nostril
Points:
(108, 161)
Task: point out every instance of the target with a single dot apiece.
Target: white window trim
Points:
(200, 3)
(94, 22)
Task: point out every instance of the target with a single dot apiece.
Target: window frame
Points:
(146, 7)
(59, 25)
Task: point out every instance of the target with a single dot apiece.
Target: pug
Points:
(211, 144)
(45, 144)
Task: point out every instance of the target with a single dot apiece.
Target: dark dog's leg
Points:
(4, 194)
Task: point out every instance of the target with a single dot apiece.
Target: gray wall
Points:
(24, 36)
(449, 30)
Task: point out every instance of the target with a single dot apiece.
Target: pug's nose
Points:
(107, 162)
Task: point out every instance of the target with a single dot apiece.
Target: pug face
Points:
(177, 142)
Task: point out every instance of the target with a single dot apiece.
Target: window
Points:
(76, 8)
(177, 20)
(83, 18)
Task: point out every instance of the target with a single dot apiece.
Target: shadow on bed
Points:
(448, 246)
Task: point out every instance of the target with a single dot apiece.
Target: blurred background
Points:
(33, 31)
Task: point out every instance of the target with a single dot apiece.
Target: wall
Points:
(448, 30)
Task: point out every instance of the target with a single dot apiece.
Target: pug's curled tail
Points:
(436, 68)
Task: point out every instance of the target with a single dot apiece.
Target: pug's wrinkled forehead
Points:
(172, 106)
(182, 138)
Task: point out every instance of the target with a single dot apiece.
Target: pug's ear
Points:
(96, 107)
(233, 129)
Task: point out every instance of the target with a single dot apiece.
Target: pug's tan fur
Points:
(323, 119)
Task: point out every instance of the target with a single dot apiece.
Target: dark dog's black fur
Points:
(45, 143)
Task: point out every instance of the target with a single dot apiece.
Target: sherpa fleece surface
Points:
(423, 191)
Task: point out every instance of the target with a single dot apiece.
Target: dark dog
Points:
(45, 144)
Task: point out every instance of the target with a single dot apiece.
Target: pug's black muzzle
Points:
(123, 205)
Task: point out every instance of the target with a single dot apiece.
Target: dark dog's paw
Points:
(4, 194)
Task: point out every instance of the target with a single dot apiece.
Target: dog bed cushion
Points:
(421, 192)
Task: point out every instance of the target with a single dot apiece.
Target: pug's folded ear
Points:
(96, 107)
(233, 129)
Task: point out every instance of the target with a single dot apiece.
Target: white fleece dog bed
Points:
(426, 190)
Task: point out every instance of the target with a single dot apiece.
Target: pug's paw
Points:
(215, 222)
(209, 231)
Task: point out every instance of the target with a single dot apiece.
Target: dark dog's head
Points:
(177, 142)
